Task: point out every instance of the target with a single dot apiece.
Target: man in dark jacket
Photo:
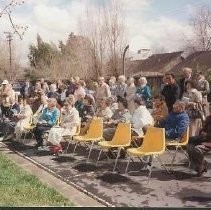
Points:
(198, 146)
(187, 76)
(170, 91)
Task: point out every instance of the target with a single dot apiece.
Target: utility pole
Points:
(123, 61)
(9, 37)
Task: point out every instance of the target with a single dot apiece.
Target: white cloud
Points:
(54, 21)
(160, 33)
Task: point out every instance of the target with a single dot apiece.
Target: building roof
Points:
(155, 63)
(198, 61)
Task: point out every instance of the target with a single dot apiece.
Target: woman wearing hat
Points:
(7, 94)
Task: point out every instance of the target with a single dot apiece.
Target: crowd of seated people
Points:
(60, 107)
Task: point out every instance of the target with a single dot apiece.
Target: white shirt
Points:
(141, 117)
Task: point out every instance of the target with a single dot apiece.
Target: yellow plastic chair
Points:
(121, 139)
(94, 134)
(69, 138)
(178, 145)
(153, 146)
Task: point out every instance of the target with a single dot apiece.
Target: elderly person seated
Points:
(43, 105)
(9, 120)
(80, 90)
(113, 103)
(198, 146)
(143, 89)
(104, 110)
(122, 115)
(121, 87)
(6, 95)
(53, 92)
(141, 117)
(176, 123)
(88, 110)
(47, 120)
(23, 117)
(69, 122)
(79, 104)
(160, 109)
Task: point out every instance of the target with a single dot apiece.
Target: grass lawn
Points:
(17, 188)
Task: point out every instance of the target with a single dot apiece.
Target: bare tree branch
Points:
(7, 10)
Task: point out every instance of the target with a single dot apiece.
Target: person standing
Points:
(194, 102)
(121, 87)
(198, 146)
(102, 91)
(130, 94)
(187, 76)
(204, 87)
(171, 91)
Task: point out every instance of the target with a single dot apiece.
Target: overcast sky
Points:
(151, 23)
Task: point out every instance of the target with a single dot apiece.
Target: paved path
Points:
(180, 189)
(71, 193)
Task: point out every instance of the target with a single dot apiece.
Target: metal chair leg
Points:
(90, 150)
(150, 170)
(161, 163)
(67, 147)
(174, 157)
(118, 154)
(128, 163)
(76, 144)
(99, 156)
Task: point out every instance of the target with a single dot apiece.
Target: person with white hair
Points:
(102, 91)
(7, 94)
(130, 94)
(203, 86)
(69, 122)
(80, 91)
(143, 90)
(48, 119)
(23, 117)
(187, 76)
(121, 87)
(43, 105)
(53, 92)
(112, 85)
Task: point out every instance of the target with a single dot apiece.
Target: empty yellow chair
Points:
(153, 146)
(94, 134)
(178, 144)
(121, 139)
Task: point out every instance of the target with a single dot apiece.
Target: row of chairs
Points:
(154, 143)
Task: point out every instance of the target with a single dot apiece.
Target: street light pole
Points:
(123, 61)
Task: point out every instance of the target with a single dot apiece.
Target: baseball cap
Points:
(5, 82)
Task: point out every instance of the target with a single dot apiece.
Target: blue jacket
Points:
(175, 125)
(145, 92)
(50, 116)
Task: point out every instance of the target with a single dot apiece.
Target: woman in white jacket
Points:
(69, 122)
(24, 118)
(141, 117)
